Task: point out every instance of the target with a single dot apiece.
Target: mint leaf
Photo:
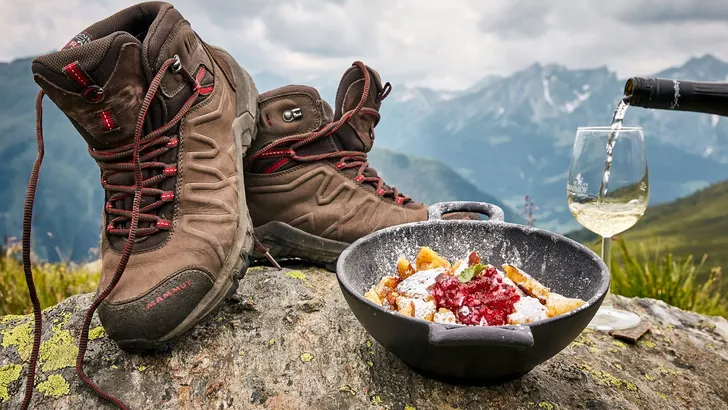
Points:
(469, 273)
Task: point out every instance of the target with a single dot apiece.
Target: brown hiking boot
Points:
(309, 187)
(168, 119)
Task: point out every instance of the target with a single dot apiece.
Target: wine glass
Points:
(608, 192)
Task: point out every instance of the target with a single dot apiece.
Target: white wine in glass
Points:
(608, 192)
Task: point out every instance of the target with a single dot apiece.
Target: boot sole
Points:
(287, 242)
(236, 265)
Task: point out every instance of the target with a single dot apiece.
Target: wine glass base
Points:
(609, 318)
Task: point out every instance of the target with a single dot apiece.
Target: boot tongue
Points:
(98, 79)
(73, 76)
(357, 134)
(160, 32)
(120, 55)
(151, 23)
(289, 110)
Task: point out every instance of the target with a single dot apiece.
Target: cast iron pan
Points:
(474, 355)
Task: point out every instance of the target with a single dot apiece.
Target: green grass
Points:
(663, 276)
(54, 282)
(695, 225)
(648, 274)
(430, 181)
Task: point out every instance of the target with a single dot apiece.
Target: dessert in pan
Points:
(467, 292)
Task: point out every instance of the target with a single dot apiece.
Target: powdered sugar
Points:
(451, 294)
(464, 310)
(419, 284)
(445, 316)
(424, 310)
(463, 265)
(528, 310)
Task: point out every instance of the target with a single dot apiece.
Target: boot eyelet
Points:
(93, 94)
(163, 224)
(290, 115)
(176, 67)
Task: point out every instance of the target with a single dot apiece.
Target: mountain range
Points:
(67, 217)
(501, 139)
(512, 135)
(430, 181)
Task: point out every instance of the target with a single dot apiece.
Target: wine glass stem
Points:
(607, 258)
(607, 251)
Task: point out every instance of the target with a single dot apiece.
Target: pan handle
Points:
(494, 213)
(514, 336)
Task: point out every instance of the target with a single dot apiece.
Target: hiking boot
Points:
(310, 189)
(143, 81)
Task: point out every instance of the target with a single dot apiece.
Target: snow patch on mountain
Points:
(547, 92)
(574, 104)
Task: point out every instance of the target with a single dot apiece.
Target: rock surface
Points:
(287, 340)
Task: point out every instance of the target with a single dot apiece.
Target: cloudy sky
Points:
(425, 42)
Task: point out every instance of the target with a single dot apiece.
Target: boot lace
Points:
(134, 159)
(347, 159)
(113, 164)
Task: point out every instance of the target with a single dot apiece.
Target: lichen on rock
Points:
(12, 318)
(59, 350)
(20, 337)
(8, 374)
(298, 346)
(296, 274)
(55, 386)
(96, 333)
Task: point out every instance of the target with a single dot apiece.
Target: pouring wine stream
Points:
(607, 216)
(613, 214)
(617, 121)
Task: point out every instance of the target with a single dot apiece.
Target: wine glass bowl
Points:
(625, 193)
(608, 192)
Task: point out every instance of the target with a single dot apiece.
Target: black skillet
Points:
(473, 355)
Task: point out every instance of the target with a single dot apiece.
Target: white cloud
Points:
(430, 43)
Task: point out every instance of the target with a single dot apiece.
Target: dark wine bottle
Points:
(677, 95)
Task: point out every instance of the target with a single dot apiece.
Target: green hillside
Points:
(67, 218)
(430, 181)
(694, 225)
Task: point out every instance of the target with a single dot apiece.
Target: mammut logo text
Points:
(79, 40)
(168, 294)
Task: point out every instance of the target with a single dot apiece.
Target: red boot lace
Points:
(348, 159)
(111, 165)
(110, 162)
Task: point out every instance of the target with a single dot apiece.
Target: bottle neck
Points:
(677, 95)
